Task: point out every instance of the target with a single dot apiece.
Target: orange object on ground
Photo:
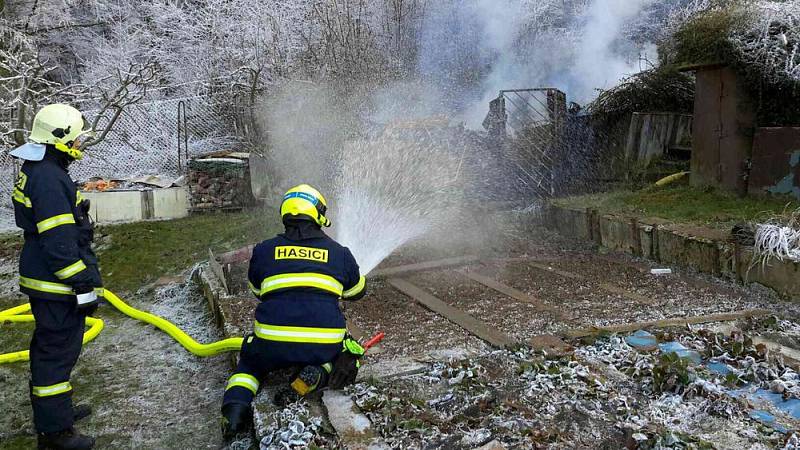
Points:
(99, 185)
(374, 340)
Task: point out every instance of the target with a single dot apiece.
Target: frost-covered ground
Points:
(146, 390)
(605, 394)
(8, 278)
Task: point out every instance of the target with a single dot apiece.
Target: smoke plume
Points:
(473, 49)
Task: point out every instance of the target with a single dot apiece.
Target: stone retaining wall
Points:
(702, 249)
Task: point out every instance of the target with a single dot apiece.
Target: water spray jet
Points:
(391, 191)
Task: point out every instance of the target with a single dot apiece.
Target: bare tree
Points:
(32, 75)
(402, 20)
(344, 44)
(25, 84)
(131, 88)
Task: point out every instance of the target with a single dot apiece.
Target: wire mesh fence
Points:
(145, 141)
(527, 126)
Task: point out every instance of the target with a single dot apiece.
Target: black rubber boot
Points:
(285, 395)
(81, 412)
(236, 419)
(69, 439)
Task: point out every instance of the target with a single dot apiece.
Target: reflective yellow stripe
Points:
(291, 280)
(71, 270)
(55, 221)
(78, 198)
(45, 286)
(253, 289)
(299, 334)
(244, 380)
(355, 290)
(20, 197)
(52, 288)
(47, 391)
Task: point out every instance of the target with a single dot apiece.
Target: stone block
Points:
(569, 222)
(691, 247)
(781, 276)
(620, 234)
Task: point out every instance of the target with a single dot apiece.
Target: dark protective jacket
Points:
(299, 281)
(57, 258)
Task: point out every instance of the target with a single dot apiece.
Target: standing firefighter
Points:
(299, 276)
(57, 269)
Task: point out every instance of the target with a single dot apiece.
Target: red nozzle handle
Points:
(374, 340)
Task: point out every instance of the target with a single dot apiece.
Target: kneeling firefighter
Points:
(299, 277)
(57, 268)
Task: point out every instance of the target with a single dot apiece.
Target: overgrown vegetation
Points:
(705, 37)
(759, 40)
(684, 204)
(659, 89)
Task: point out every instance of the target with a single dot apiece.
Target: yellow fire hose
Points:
(669, 179)
(17, 315)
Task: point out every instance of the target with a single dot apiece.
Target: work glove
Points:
(236, 418)
(87, 299)
(346, 364)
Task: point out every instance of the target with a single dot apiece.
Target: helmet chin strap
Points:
(321, 219)
(73, 153)
(324, 221)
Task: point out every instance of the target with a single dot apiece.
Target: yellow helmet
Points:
(304, 201)
(59, 125)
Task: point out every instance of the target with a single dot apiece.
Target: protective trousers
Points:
(259, 357)
(54, 350)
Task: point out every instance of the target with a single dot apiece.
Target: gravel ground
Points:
(517, 319)
(411, 330)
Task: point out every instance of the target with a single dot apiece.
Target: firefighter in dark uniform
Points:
(299, 277)
(57, 269)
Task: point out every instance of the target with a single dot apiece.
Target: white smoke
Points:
(578, 47)
(600, 63)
